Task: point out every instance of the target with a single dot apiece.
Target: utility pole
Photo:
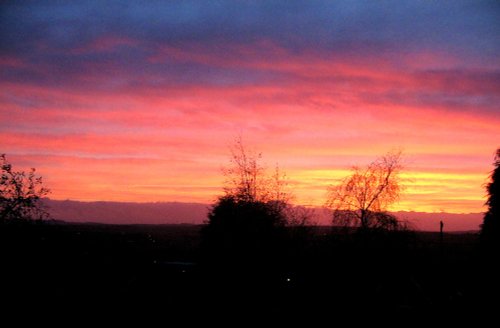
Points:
(441, 226)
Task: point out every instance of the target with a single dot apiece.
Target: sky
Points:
(140, 100)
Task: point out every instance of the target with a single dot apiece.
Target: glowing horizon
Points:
(140, 103)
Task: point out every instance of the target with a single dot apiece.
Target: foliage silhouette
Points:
(248, 226)
(361, 199)
(490, 229)
(243, 230)
(20, 194)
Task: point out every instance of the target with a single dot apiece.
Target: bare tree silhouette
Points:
(247, 179)
(361, 199)
(20, 194)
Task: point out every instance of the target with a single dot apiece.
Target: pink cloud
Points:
(318, 113)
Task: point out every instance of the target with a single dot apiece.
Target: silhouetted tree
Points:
(490, 229)
(243, 230)
(20, 194)
(248, 222)
(361, 199)
(247, 179)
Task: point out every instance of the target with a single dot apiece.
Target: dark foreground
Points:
(162, 270)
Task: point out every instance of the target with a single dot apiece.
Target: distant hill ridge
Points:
(127, 212)
(196, 213)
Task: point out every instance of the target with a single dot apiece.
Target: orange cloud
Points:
(153, 139)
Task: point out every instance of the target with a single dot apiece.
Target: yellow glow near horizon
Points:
(125, 120)
(422, 192)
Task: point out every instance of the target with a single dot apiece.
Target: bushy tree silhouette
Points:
(244, 231)
(361, 199)
(20, 194)
(248, 223)
(490, 229)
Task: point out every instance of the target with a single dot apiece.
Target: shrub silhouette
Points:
(243, 232)
(20, 194)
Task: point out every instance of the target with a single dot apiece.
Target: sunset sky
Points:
(139, 101)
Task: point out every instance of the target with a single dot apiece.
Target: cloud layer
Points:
(139, 102)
